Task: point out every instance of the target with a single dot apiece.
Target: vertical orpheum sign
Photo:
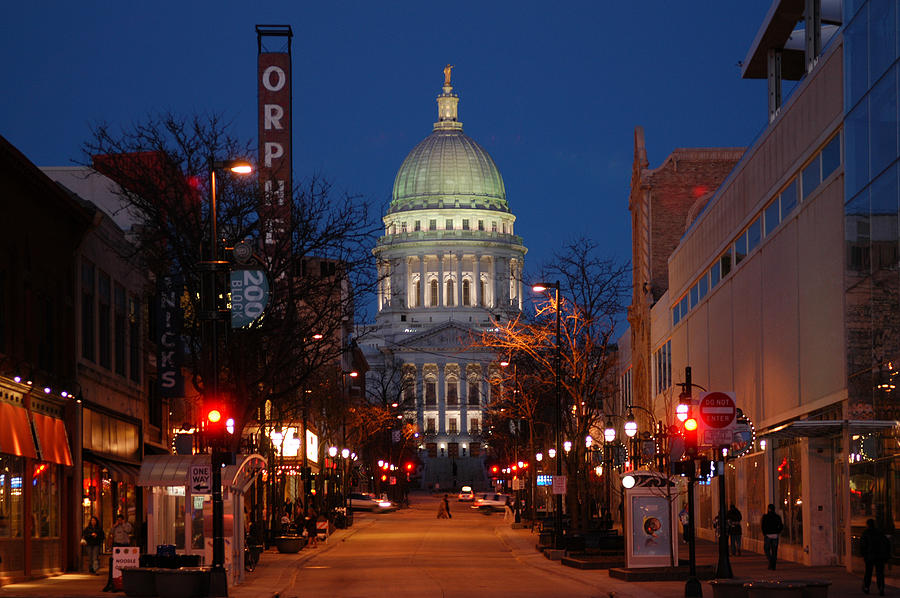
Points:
(274, 93)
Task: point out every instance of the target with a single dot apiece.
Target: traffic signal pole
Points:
(692, 588)
(723, 568)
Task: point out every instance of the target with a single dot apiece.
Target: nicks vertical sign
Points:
(169, 353)
(274, 93)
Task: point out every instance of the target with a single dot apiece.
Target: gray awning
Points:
(807, 428)
(172, 470)
(168, 470)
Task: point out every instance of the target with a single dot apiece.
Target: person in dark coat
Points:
(734, 525)
(771, 528)
(93, 537)
(876, 550)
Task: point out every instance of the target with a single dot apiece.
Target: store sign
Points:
(274, 122)
(123, 556)
(169, 353)
(559, 484)
(312, 447)
(249, 296)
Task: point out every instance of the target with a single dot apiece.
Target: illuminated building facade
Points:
(784, 288)
(39, 488)
(449, 261)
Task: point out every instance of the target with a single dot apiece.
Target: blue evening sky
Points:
(552, 91)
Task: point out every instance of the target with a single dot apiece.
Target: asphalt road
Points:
(412, 553)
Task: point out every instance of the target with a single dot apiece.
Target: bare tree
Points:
(592, 290)
(163, 167)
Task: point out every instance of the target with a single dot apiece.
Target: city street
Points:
(412, 553)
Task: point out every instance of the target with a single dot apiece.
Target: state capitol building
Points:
(449, 262)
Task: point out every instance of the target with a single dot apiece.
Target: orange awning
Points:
(15, 431)
(52, 439)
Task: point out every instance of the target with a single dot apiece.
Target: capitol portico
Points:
(449, 261)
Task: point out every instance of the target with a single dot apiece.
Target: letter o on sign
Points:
(267, 78)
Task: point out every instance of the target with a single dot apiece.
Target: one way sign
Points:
(199, 478)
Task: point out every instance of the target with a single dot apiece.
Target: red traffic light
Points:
(214, 416)
(495, 469)
(691, 440)
(409, 466)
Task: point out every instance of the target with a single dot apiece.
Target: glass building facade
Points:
(872, 276)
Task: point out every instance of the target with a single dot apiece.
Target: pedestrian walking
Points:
(92, 537)
(735, 529)
(508, 514)
(444, 509)
(685, 520)
(312, 530)
(122, 531)
(876, 550)
(771, 525)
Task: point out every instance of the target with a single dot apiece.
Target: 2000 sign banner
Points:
(249, 296)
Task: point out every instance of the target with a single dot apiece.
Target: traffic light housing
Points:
(691, 439)
(217, 423)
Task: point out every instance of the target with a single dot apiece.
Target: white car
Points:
(466, 494)
(367, 502)
(488, 503)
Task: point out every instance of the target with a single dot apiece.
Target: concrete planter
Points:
(139, 582)
(774, 589)
(289, 544)
(182, 583)
(729, 588)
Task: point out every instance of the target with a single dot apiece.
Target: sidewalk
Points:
(751, 566)
(274, 573)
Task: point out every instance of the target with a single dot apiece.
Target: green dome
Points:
(448, 168)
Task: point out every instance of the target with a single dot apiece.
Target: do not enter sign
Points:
(717, 409)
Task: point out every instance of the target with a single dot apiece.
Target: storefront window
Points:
(789, 490)
(11, 500)
(45, 500)
(754, 470)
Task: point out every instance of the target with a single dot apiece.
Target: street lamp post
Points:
(210, 314)
(609, 435)
(540, 288)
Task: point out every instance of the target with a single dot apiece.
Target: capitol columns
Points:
(458, 286)
(477, 281)
(442, 286)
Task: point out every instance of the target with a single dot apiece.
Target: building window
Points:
(474, 426)
(429, 425)
(104, 319)
(134, 339)
(88, 329)
(474, 397)
(465, 292)
(432, 225)
(493, 226)
(433, 292)
(430, 393)
(465, 225)
(481, 225)
(451, 297)
(402, 227)
(452, 393)
(474, 449)
(504, 228)
(483, 289)
(45, 507)
(662, 367)
(417, 225)
(449, 224)
(119, 329)
(418, 289)
(452, 426)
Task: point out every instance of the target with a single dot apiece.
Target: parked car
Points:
(466, 494)
(488, 503)
(360, 501)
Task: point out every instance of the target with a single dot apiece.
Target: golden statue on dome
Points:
(447, 70)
